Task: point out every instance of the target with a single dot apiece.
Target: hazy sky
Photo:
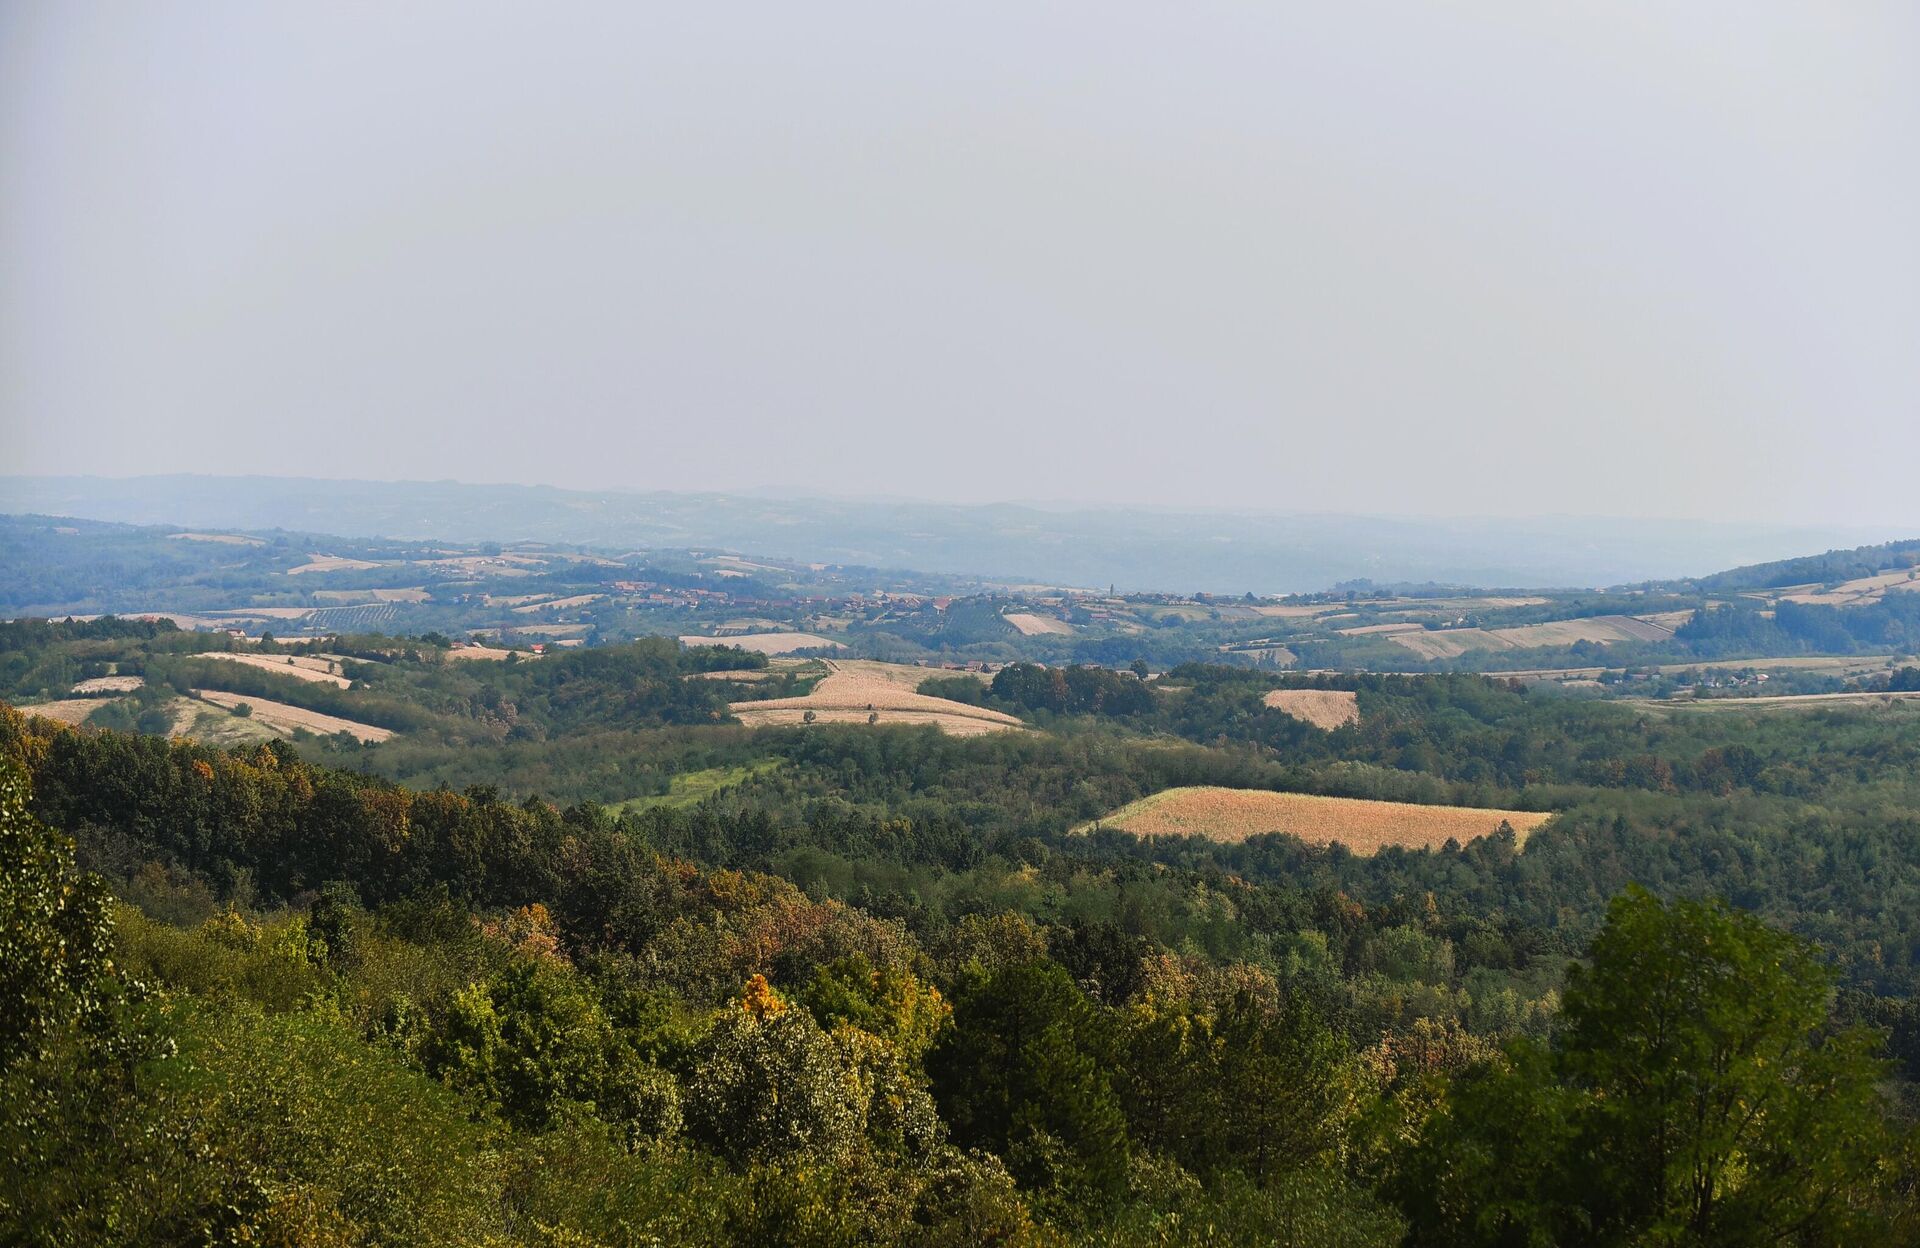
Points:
(1639, 259)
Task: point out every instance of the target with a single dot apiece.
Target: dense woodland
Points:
(576, 960)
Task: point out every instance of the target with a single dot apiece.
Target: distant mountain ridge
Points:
(1133, 548)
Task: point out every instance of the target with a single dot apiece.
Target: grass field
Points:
(283, 718)
(693, 787)
(1365, 827)
(853, 690)
(1323, 708)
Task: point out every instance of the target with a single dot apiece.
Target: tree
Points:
(1023, 1072)
(1697, 1094)
(773, 1088)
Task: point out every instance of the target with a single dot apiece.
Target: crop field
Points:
(360, 597)
(767, 643)
(1323, 708)
(320, 671)
(558, 604)
(224, 539)
(331, 563)
(69, 711)
(109, 684)
(1031, 625)
(283, 718)
(1855, 593)
(1365, 827)
(1601, 629)
(852, 692)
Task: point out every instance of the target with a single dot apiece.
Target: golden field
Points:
(1363, 826)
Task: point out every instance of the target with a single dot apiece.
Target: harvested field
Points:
(1037, 625)
(359, 597)
(1369, 630)
(299, 666)
(559, 604)
(287, 719)
(1448, 643)
(745, 675)
(1323, 708)
(1601, 629)
(1778, 702)
(109, 684)
(1300, 613)
(481, 652)
(767, 643)
(1365, 827)
(331, 563)
(225, 539)
(70, 711)
(852, 691)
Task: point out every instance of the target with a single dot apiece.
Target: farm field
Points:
(331, 563)
(852, 691)
(1601, 629)
(767, 643)
(316, 669)
(224, 539)
(69, 711)
(1778, 702)
(109, 684)
(360, 597)
(284, 718)
(1363, 826)
(1031, 625)
(1323, 708)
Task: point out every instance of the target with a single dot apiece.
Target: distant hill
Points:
(1833, 567)
(1134, 548)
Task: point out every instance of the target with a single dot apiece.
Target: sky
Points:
(1610, 258)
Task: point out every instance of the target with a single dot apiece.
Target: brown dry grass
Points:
(311, 668)
(70, 711)
(482, 652)
(766, 643)
(284, 718)
(1365, 827)
(331, 563)
(225, 539)
(1323, 708)
(853, 690)
(109, 684)
(357, 597)
(1031, 625)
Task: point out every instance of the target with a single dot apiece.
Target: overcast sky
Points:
(1494, 258)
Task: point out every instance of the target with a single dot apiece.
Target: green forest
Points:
(576, 960)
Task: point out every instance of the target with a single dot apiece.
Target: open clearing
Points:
(1780, 702)
(1365, 827)
(331, 563)
(854, 690)
(418, 593)
(1031, 625)
(767, 643)
(225, 539)
(70, 711)
(318, 670)
(1451, 643)
(284, 718)
(109, 684)
(558, 604)
(1323, 708)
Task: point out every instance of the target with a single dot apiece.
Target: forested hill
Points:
(327, 1009)
(1832, 567)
